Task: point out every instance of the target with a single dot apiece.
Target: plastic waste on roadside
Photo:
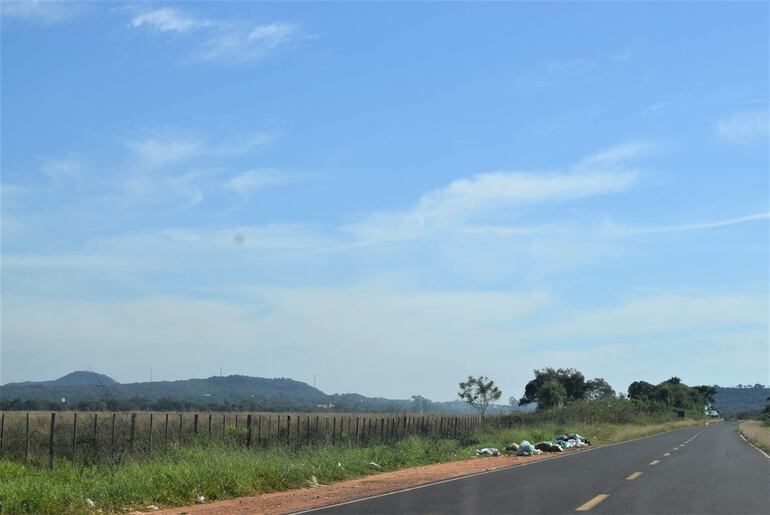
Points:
(487, 451)
(512, 447)
(525, 449)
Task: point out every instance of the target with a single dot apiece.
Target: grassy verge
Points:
(757, 433)
(215, 471)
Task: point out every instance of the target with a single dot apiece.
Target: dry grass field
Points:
(756, 433)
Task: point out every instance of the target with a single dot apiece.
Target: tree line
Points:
(555, 388)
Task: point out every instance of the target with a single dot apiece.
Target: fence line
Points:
(42, 438)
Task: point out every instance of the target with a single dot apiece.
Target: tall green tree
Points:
(573, 381)
(479, 392)
(598, 390)
(551, 395)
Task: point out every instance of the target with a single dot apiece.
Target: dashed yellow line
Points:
(654, 462)
(633, 476)
(593, 502)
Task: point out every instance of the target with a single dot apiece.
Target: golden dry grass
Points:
(756, 433)
(621, 433)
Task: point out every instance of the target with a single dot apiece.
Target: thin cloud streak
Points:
(219, 40)
(614, 230)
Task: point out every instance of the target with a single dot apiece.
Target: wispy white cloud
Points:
(166, 147)
(253, 180)
(463, 199)
(168, 19)
(40, 12)
(161, 151)
(745, 127)
(241, 44)
(612, 229)
(61, 169)
(220, 40)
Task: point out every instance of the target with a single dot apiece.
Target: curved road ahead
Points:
(706, 469)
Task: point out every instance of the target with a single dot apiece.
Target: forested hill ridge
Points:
(88, 390)
(733, 400)
(92, 391)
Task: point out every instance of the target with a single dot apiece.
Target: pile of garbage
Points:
(558, 444)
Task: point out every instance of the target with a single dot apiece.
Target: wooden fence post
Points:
(334, 431)
(165, 431)
(248, 430)
(259, 429)
(74, 435)
(112, 438)
(288, 430)
(133, 431)
(51, 440)
(195, 425)
(209, 425)
(26, 444)
(2, 433)
(357, 420)
(149, 443)
(316, 429)
(299, 430)
(224, 426)
(180, 428)
(96, 418)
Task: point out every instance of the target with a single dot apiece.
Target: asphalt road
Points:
(701, 470)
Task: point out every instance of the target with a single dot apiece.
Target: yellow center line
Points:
(667, 454)
(593, 502)
(654, 462)
(676, 448)
(633, 476)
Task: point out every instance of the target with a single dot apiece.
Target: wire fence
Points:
(42, 438)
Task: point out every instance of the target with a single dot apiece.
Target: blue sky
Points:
(389, 196)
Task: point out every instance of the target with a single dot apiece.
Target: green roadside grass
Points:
(180, 474)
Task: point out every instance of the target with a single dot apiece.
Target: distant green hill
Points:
(84, 377)
(731, 400)
(87, 386)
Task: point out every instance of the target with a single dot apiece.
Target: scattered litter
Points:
(89, 502)
(200, 499)
(373, 464)
(152, 507)
(570, 440)
(525, 449)
(487, 451)
(512, 447)
(313, 482)
(549, 447)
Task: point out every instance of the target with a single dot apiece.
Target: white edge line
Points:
(500, 469)
(757, 448)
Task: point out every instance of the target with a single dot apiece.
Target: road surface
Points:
(700, 470)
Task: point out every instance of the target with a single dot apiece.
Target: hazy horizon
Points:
(388, 196)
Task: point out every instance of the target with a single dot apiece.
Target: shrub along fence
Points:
(41, 438)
